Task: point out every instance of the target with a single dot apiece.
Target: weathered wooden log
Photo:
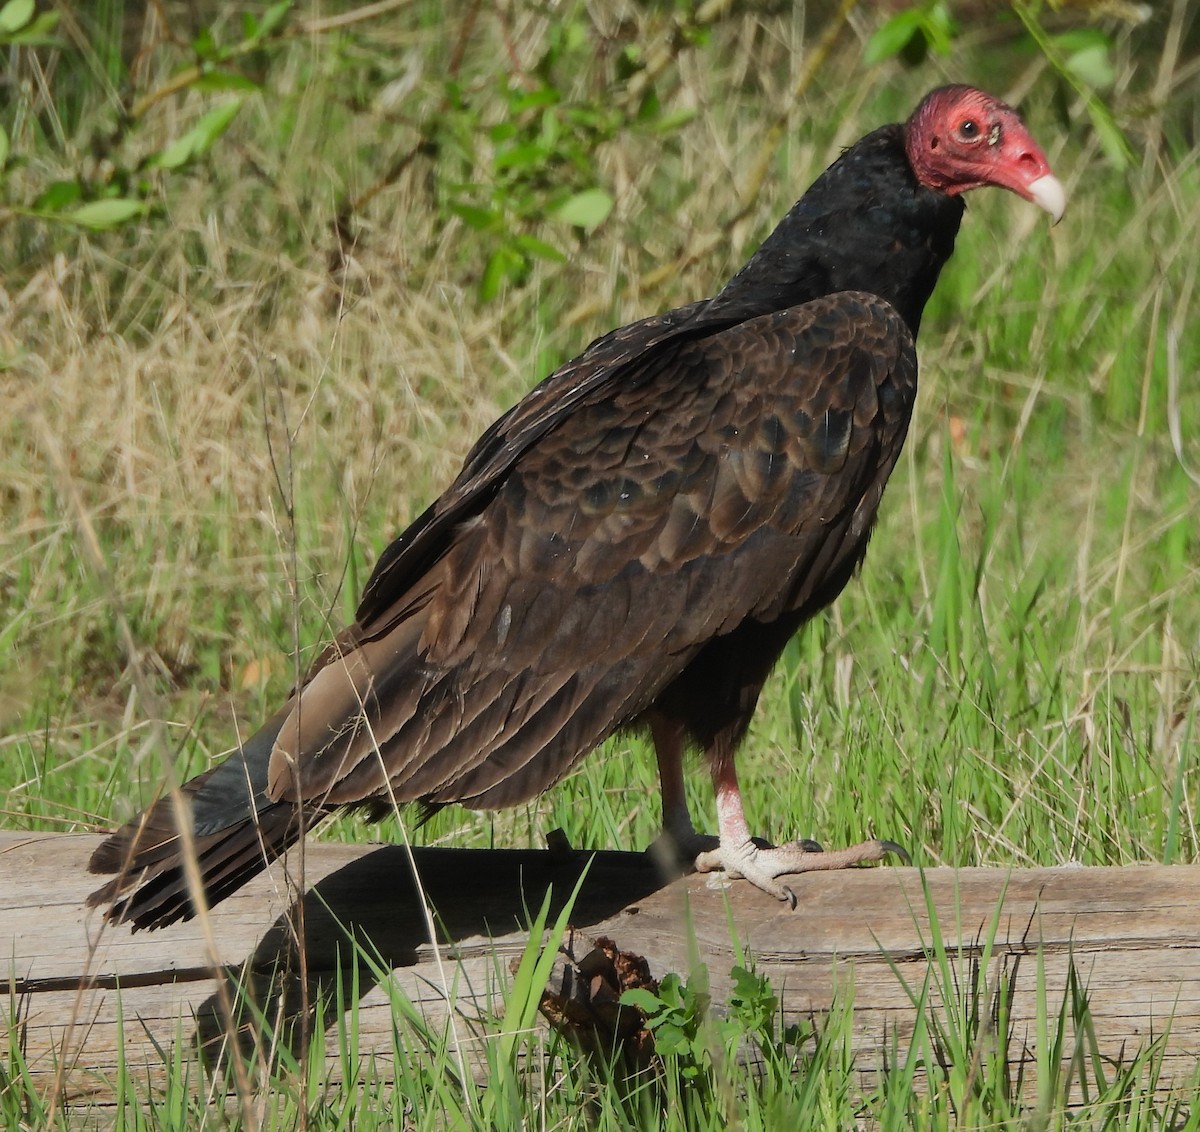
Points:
(82, 994)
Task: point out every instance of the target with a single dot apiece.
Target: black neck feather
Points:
(866, 224)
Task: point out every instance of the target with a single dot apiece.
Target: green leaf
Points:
(494, 272)
(100, 215)
(1080, 39)
(673, 120)
(940, 28)
(532, 246)
(213, 124)
(4, 147)
(273, 17)
(587, 209)
(178, 153)
(575, 35)
(481, 219)
(534, 99)
(650, 107)
(642, 999)
(629, 62)
(57, 195)
(225, 81)
(15, 15)
(893, 36)
(205, 45)
(1093, 65)
(669, 1042)
(38, 33)
(527, 155)
(198, 140)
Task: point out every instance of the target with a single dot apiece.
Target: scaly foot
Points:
(682, 850)
(761, 864)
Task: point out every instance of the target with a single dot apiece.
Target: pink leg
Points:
(740, 856)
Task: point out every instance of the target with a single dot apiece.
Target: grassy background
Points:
(208, 435)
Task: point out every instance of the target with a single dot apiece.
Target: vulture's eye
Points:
(968, 129)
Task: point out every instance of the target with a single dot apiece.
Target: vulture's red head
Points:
(960, 138)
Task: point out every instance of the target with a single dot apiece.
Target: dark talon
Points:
(899, 850)
(557, 843)
(790, 897)
(811, 846)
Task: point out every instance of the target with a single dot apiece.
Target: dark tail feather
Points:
(154, 893)
(237, 832)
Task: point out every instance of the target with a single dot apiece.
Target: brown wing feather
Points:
(720, 484)
(606, 360)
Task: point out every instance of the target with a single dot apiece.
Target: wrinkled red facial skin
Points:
(960, 138)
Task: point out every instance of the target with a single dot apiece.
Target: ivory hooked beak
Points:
(1047, 192)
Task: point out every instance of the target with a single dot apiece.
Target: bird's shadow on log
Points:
(367, 919)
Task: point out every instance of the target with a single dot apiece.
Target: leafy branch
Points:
(513, 149)
(115, 196)
(1082, 59)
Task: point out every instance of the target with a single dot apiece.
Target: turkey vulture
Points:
(630, 546)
